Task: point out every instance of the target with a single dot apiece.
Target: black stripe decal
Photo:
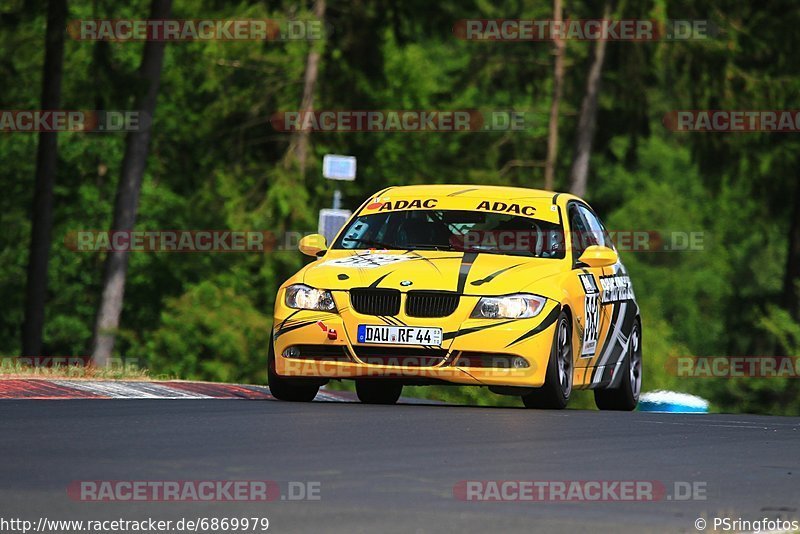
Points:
(293, 327)
(289, 317)
(418, 256)
(492, 276)
(379, 280)
(462, 192)
(627, 328)
(399, 321)
(551, 318)
(466, 264)
(392, 321)
(465, 331)
(599, 354)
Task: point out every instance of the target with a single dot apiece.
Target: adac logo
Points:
(507, 208)
(417, 203)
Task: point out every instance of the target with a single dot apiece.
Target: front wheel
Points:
(378, 391)
(557, 387)
(288, 389)
(626, 396)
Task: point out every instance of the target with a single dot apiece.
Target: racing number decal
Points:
(592, 314)
(592, 322)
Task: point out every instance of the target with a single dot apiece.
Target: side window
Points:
(578, 231)
(597, 232)
(587, 230)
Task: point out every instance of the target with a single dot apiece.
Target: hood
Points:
(465, 272)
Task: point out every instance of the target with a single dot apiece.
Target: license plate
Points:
(399, 335)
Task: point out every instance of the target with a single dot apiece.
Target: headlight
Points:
(302, 297)
(519, 306)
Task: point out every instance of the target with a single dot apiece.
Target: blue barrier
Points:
(672, 402)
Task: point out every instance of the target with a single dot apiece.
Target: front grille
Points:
(400, 356)
(370, 301)
(431, 303)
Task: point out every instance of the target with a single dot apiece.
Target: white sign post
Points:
(336, 167)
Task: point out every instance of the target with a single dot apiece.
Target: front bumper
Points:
(473, 351)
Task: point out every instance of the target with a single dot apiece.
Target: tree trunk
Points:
(792, 279)
(46, 166)
(558, 79)
(127, 199)
(587, 121)
(301, 140)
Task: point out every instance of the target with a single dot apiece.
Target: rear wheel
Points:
(626, 396)
(288, 389)
(557, 387)
(378, 391)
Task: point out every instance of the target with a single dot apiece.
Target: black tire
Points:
(378, 391)
(554, 393)
(288, 389)
(625, 397)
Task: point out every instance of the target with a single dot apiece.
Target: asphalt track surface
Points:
(393, 468)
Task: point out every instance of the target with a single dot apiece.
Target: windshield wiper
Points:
(371, 242)
(428, 246)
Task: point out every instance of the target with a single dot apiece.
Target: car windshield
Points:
(454, 230)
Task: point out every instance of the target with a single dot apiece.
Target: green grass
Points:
(75, 372)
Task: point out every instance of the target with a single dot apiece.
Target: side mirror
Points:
(312, 245)
(598, 256)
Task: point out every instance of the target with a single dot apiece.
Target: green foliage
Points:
(209, 333)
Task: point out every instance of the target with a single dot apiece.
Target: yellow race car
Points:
(516, 289)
